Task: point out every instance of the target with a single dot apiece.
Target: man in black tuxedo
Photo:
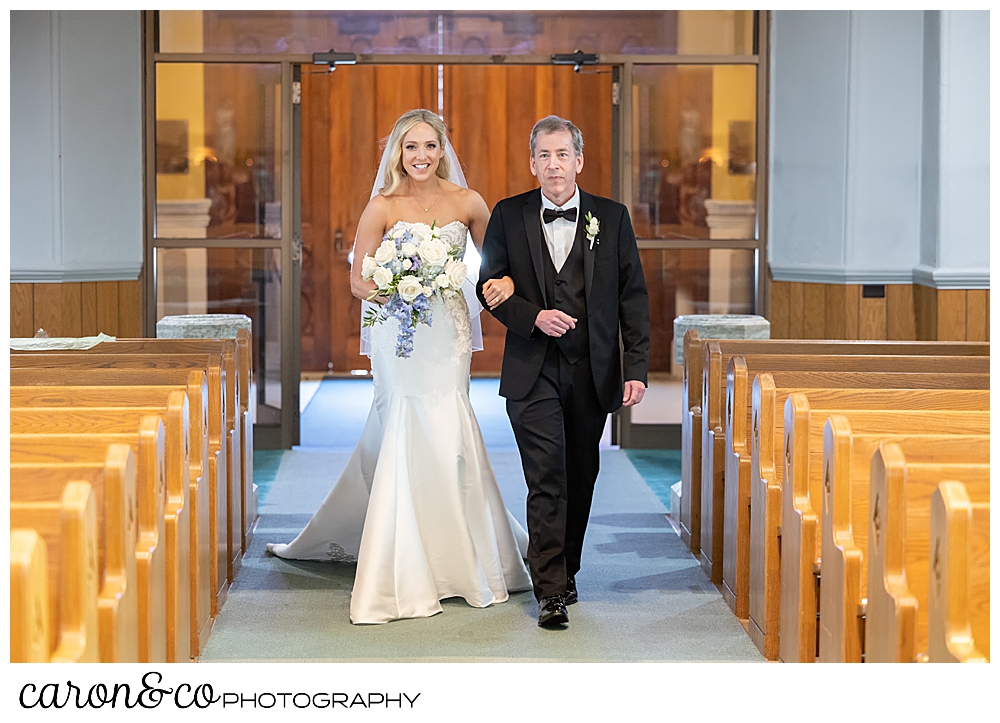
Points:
(577, 283)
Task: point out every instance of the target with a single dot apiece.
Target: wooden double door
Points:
(347, 114)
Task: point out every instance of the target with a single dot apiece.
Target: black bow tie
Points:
(550, 214)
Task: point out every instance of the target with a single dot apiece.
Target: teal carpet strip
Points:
(659, 468)
(265, 469)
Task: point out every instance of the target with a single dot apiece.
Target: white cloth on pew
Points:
(59, 342)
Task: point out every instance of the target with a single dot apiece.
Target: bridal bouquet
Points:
(411, 267)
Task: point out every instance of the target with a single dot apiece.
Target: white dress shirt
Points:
(560, 234)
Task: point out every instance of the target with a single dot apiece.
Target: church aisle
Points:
(643, 598)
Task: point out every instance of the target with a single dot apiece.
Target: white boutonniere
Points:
(593, 228)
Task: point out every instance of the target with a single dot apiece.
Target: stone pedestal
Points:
(182, 218)
(202, 326)
(730, 219)
(719, 326)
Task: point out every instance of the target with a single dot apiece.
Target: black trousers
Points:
(558, 428)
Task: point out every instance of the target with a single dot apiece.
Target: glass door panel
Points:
(218, 140)
(218, 244)
(694, 135)
(693, 281)
(231, 281)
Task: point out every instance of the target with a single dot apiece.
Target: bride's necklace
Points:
(429, 205)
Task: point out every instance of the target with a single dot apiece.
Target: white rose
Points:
(428, 291)
(407, 264)
(433, 252)
(368, 266)
(593, 227)
(457, 273)
(382, 277)
(399, 233)
(419, 234)
(386, 252)
(409, 288)
(408, 248)
(441, 281)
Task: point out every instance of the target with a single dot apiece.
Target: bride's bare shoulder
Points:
(381, 207)
(465, 197)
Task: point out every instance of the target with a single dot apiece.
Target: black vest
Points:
(567, 292)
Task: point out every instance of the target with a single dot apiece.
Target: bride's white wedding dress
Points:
(418, 506)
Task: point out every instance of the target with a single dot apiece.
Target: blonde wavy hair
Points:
(394, 173)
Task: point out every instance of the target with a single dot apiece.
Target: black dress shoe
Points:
(571, 596)
(552, 611)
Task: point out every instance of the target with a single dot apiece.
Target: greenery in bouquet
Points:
(410, 268)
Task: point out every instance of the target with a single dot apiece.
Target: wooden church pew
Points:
(151, 554)
(223, 509)
(211, 364)
(714, 417)
(175, 510)
(113, 485)
(806, 487)
(766, 473)
(29, 597)
(695, 371)
(64, 420)
(68, 526)
(196, 383)
(236, 355)
(958, 598)
(846, 464)
(734, 526)
(898, 549)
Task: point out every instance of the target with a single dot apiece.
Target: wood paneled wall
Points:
(905, 312)
(76, 309)
(952, 314)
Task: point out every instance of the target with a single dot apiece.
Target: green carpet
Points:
(660, 468)
(265, 469)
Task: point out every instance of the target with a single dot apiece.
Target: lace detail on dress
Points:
(459, 310)
(455, 233)
(336, 553)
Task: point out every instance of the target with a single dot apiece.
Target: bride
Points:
(418, 506)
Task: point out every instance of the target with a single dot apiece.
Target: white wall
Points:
(76, 146)
(845, 145)
(882, 228)
(954, 250)
(879, 147)
(808, 140)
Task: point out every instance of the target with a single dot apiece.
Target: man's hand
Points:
(497, 291)
(634, 392)
(554, 322)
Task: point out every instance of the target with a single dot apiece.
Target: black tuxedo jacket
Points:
(615, 292)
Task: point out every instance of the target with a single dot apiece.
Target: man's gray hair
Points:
(555, 124)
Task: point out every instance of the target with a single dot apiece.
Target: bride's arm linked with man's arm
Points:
(496, 290)
(516, 313)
